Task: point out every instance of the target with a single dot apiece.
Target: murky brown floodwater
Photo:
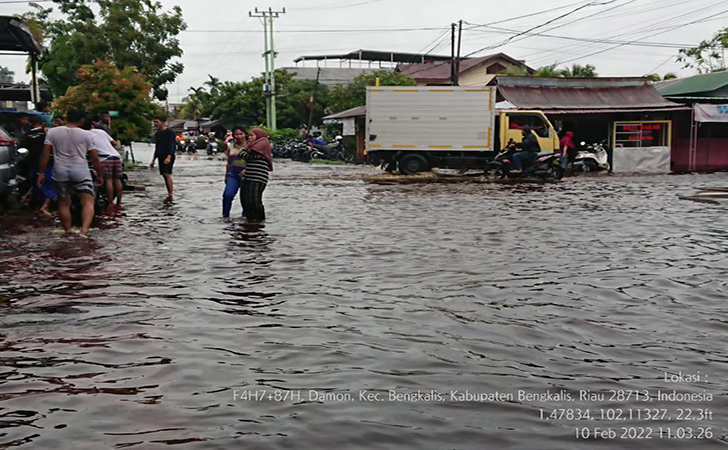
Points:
(172, 326)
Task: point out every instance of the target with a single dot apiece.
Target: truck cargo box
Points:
(432, 118)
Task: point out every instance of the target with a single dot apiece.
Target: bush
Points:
(281, 135)
(200, 144)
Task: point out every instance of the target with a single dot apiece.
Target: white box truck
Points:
(416, 128)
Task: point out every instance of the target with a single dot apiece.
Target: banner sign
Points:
(711, 113)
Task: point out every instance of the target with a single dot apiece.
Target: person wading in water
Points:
(165, 143)
(258, 162)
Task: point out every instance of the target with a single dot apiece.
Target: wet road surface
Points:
(173, 327)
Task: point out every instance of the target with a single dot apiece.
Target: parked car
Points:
(10, 158)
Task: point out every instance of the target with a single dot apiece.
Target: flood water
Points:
(318, 329)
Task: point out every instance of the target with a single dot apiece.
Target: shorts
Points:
(165, 169)
(112, 167)
(70, 179)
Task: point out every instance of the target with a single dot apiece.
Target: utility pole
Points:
(457, 58)
(269, 88)
(452, 54)
(313, 99)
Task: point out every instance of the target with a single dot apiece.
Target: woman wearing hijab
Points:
(566, 144)
(258, 162)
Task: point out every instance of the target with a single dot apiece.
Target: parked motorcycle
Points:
(337, 151)
(592, 157)
(546, 166)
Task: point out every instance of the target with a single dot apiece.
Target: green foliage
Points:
(655, 77)
(128, 33)
(4, 71)
(579, 71)
(223, 100)
(708, 56)
(200, 143)
(553, 71)
(355, 94)
(281, 134)
(102, 86)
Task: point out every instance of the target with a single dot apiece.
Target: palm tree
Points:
(548, 71)
(579, 71)
(670, 76)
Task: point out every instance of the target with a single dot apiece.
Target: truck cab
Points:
(511, 123)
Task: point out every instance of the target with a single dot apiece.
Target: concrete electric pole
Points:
(269, 88)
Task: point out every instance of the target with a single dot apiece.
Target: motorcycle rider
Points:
(529, 153)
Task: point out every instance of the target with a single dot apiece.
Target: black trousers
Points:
(252, 199)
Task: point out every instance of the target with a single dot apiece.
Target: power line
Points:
(680, 18)
(592, 3)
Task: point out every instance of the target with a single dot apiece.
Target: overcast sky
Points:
(222, 40)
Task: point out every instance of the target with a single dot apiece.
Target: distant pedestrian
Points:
(164, 150)
(110, 163)
(70, 146)
(234, 170)
(258, 162)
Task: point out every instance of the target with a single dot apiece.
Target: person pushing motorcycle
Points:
(530, 150)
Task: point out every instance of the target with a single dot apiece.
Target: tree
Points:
(548, 71)
(708, 56)
(103, 86)
(579, 71)
(6, 72)
(355, 94)
(222, 100)
(655, 77)
(127, 33)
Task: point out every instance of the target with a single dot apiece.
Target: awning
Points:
(615, 110)
(359, 111)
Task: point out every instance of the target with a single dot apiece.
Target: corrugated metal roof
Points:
(440, 71)
(615, 110)
(375, 55)
(353, 112)
(692, 85)
(570, 97)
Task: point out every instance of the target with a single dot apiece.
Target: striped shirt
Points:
(256, 167)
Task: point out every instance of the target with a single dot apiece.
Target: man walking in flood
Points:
(70, 146)
(164, 150)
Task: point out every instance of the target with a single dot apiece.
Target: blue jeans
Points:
(564, 160)
(232, 186)
(523, 158)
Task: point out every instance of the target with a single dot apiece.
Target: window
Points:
(537, 124)
(642, 134)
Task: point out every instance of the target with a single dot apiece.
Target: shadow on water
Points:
(140, 336)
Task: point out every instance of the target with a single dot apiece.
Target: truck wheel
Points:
(412, 164)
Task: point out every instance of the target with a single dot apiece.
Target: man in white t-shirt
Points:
(110, 163)
(70, 146)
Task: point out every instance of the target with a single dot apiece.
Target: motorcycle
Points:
(181, 146)
(336, 151)
(593, 157)
(546, 166)
(212, 147)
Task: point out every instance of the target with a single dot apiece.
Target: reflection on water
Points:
(141, 336)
